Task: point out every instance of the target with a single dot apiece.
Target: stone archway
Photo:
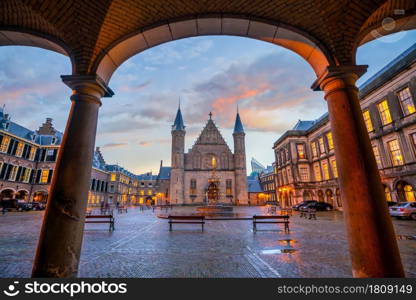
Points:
(329, 196)
(405, 191)
(321, 197)
(22, 195)
(338, 197)
(280, 34)
(307, 195)
(105, 44)
(213, 193)
(7, 194)
(40, 196)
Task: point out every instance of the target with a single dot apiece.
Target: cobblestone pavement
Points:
(142, 246)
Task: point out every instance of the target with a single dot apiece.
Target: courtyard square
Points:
(142, 246)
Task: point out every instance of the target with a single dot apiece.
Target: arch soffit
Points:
(280, 34)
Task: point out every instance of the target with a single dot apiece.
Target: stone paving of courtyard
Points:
(142, 246)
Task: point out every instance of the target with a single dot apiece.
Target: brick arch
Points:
(21, 25)
(402, 12)
(280, 34)
(20, 37)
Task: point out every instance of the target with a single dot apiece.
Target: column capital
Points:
(338, 72)
(87, 82)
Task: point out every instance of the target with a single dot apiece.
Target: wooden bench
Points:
(109, 219)
(122, 209)
(186, 220)
(271, 220)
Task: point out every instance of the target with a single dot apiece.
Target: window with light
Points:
(44, 176)
(325, 169)
(330, 141)
(321, 145)
(395, 153)
(317, 171)
(406, 101)
(301, 151)
(383, 109)
(367, 121)
(314, 149)
(377, 157)
(334, 168)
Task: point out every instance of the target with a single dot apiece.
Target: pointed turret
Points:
(178, 124)
(238, 126)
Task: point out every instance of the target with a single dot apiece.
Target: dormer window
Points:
(53, 140)
(6, 126)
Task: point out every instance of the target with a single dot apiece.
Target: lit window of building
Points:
(32, 153)
(314, 149)
(301, 151)
(304, 173)
(387, 193)
(26, 175)
(19, 149)
(367, 120)
(330, 141)
(334, 168)
(321, 145)
(406, 101)
(317, 172)
(44, 176)
(141, 192)
(395, 153)
(149, 192)
(13, 173)
(325, 169)
(378, 157)
(409, 193)
(4, 144)
(384, 111)
(229, 187)
(113, 177)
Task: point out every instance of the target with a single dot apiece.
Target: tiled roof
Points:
(146, 176)
(164, 173)
(27, 134)
(390, 70)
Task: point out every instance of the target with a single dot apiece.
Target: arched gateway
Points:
(115, 30)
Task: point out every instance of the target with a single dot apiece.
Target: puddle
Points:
(287, 242)
(278, 251)
(406, 237)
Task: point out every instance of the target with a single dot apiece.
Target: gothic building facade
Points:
(210, 172)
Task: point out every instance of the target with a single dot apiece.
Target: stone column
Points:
(373, 246)
(60, 240)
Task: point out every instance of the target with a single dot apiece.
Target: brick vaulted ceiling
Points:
(86, 30)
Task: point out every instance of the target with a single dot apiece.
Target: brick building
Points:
(305, 157)
(27, 162)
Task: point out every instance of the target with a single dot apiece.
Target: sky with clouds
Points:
(213, 73)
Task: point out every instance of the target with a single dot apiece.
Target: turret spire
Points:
(178, 124)
(238, 126)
